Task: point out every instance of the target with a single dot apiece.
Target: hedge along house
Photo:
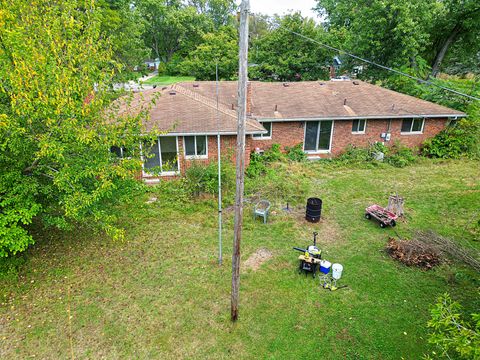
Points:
(324, 116)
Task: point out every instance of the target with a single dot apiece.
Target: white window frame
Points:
(318, 151)
(194, 157)
(364, 126)
(411, 127)
(146, 174)
(264, 136)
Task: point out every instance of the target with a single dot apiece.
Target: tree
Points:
(217, 47)
(451, 333)
(123, 25)
(282, 55)
(172, 28)
(55, 132)
(456, 23)
(220, 11)
(393, 33)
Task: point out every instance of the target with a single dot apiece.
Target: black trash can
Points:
(314, 210)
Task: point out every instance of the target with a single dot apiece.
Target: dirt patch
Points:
(257, 259)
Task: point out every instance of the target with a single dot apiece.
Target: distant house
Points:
(152, 64)
(324, 116)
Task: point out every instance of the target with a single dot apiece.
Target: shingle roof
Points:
(190, 107)
(325, 99)
(178, 110)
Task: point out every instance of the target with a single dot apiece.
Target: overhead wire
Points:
(382, 66)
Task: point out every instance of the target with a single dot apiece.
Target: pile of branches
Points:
(413, 253)
(447, 247)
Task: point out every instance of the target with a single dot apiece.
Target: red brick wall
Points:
(227, 143)
(292, 133)
(283, 133)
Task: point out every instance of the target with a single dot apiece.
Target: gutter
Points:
(381, 117)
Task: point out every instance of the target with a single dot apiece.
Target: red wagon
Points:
(384, 217)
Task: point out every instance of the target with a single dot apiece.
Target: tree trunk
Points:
(443, 50)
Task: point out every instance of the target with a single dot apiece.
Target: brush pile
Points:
(413, 253)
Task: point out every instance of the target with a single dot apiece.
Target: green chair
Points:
(261, 209)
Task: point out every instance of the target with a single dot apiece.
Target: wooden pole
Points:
(240, 154)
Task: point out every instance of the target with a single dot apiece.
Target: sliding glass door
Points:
(162, 156)
(318, 135)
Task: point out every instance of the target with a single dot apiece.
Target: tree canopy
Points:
(55, 134)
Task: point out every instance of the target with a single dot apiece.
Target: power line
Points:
(382, 66)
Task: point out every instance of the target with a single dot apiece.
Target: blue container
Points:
(325, 266)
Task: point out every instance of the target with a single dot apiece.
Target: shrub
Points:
(400, 156)
(451, 333)
(296, 153)
(258, 162)
(201, 178)
(456, 141)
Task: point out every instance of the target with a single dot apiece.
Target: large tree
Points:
(391, 32)
(55, 131)
(172, 28)
(282, 55)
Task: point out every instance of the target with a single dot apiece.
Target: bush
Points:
(456, 141)
(296, 153)
(258, 162)
(355, 155)
(451, 333)
(201, 178)
(400, 156)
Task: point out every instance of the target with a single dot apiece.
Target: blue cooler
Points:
(325, 266)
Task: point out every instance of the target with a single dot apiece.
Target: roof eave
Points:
(381, 117)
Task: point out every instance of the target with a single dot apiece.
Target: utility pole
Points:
(240, 154)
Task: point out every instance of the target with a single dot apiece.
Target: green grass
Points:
(161, 294)
(167, 79)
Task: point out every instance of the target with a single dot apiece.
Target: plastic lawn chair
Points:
(261, 209)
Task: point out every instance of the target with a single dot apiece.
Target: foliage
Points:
(283, 56)
(123, 24)
(400, 156)
(167, 80)
(259, 161)
(396, 155)
(215, 47)
(296, 153)
(451, 333)
(220, 11)
(200, 178)
(172, 27)
(461, 139)
(55, 134)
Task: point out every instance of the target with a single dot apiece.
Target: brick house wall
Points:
(227, 148)
(292, 133)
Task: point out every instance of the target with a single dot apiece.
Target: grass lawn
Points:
(167, 79)
(161, 294)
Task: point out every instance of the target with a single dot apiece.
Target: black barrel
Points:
(314, 209)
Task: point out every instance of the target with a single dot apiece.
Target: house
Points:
(324, 116)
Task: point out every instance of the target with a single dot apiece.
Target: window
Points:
(412, 126)
(358, 126)
(318, 135)
(268, 135)
(195, 146)
(120, 151)
(162, 156)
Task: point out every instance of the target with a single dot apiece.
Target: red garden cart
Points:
(384, 217)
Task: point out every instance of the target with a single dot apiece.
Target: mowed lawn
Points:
(167, 79)
(161, 294)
